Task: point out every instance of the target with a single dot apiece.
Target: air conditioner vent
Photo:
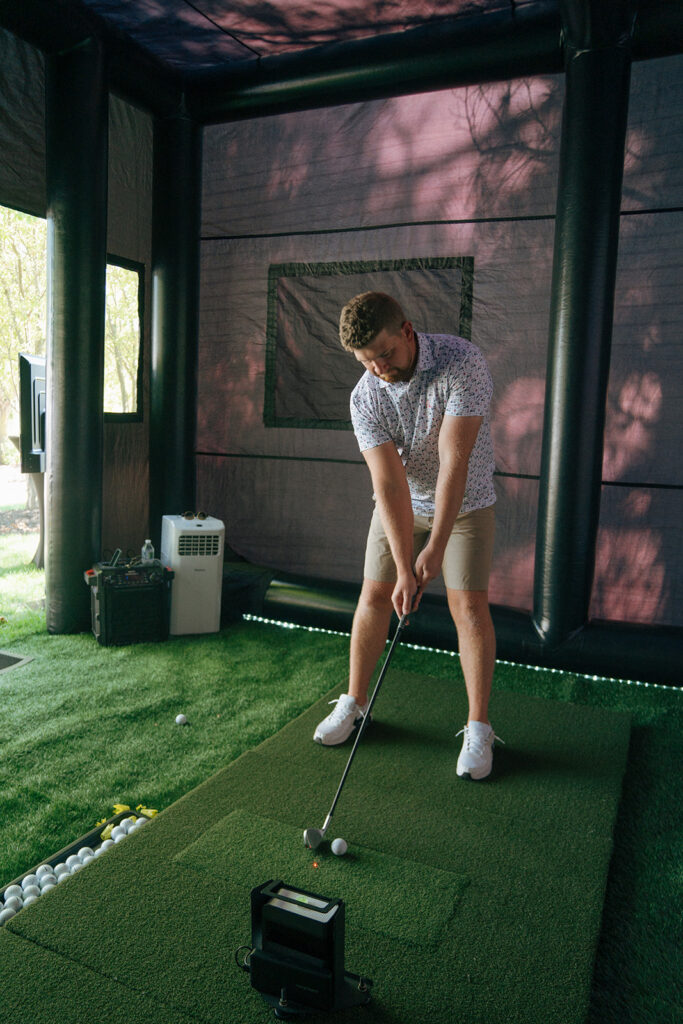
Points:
(199, 544)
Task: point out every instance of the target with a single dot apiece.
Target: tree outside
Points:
(23, 322)
(121, 340)
(23, 311)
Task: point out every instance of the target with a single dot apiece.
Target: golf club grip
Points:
(366, 718)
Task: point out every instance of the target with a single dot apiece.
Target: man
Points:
(420, 415)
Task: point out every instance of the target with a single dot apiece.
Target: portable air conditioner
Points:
(193, 548)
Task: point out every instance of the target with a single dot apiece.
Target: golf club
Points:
(314, 836)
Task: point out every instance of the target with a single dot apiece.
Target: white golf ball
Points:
(28, 880)
(31, 899)
(339, 847)
(46, 888)
(140, 822)
(47, 880)
(72, 861)
(64, 874)
(106, 845)
(14, 903)
(180, 720)
(44, 869)
(85, 852)
(13, 890)
(127, 824)
(31, 890)
(6, 915)
(61, 870)
(118, 833)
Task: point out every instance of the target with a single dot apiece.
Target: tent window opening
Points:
(123, 340)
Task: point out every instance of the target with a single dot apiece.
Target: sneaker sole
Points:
(472, 778)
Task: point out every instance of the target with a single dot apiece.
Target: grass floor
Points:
(85, 727)
(523, 858)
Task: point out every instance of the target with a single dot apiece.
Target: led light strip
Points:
(455, 654)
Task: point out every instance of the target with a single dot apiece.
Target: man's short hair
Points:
(364, 316)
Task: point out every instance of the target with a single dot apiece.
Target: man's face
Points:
(391, 356)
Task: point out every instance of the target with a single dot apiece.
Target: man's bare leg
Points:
(368, 635)
(477, 642)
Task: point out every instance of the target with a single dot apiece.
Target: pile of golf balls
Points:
(47, 877)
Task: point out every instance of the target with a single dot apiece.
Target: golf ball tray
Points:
(29, 887)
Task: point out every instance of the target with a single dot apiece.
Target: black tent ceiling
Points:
(228, 58)
(197, 35)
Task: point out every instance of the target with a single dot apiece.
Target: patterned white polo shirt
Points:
(451, 378)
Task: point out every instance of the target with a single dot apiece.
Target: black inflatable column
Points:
(597, 40)
(76, 143)
(175, 288)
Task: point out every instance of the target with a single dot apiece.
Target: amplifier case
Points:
(129, 604)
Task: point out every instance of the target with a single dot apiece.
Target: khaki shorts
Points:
(467, 561)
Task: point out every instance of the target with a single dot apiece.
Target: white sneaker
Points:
(341, 722)
(476, 756)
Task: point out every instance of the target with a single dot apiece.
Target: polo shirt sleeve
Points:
(367, 426)
(470, 386)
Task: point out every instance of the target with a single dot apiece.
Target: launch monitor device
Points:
(296, 960)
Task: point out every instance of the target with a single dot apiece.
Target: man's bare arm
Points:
(395, 508)
(457, 437)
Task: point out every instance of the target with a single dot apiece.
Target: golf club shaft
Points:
(366, 718)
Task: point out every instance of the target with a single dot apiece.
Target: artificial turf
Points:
(520, 860)
(85, 727)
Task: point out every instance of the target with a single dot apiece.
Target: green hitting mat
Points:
(390, 895)
(475, 902)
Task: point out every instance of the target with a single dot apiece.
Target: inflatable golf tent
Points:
(510, 170)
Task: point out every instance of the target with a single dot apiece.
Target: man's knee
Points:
(376, 595)
(469, 608)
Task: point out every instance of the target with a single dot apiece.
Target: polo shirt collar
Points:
(425, 361)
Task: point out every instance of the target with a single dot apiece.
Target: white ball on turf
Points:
(28, 880)
(85, 852)
(44, 869)
(31, 890)
(13, 890)
(339, 847)
(180, 720)
(6, 915)
(118, 833)
(14, 903)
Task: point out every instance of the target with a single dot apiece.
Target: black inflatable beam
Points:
(76, 154)
(646, 654)
(582, 302)
(175, 314)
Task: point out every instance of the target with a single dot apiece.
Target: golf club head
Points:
(313, 837)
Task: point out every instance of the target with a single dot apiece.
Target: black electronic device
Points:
(129, 603)
(296, 960)
(32, 412)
